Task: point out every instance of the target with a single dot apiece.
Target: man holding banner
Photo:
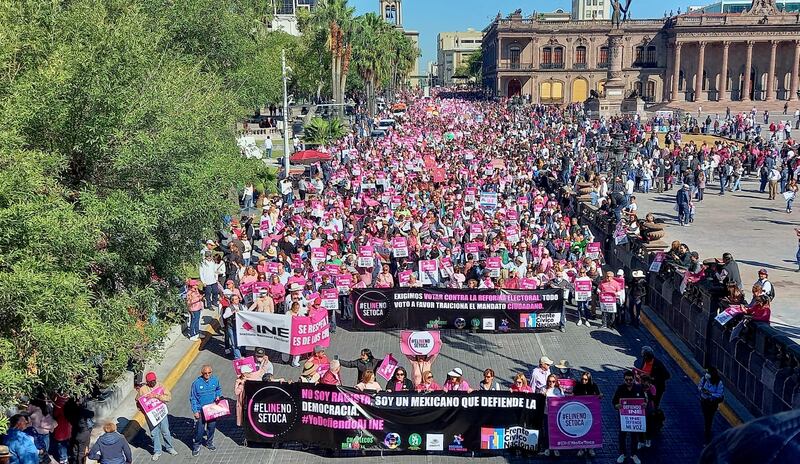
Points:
(629, 400)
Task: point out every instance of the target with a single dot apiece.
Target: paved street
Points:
(605, 353)
(757, 231)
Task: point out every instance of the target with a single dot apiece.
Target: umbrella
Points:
(309, 157)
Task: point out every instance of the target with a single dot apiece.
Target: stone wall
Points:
(761, 368)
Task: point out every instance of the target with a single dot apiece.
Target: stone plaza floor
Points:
(755, 230)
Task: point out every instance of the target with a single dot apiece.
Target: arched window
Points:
(602, 60)
(580, 55)
(637, 86)
(514, 53)
(547, 56)
(650, 57)
(552, 57)
(681, 80)
(650, 90)
(705, 80)
(639, 55)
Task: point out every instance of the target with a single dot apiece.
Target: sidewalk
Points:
(178, 353)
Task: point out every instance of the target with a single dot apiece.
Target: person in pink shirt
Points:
(428, 384)
(520, 384)
(608, 285)
(385, 279)
(455, 381)
(277, 291)
(194, 303)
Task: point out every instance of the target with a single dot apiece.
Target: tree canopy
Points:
(117, 154)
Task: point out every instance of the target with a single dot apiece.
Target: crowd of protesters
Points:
(426, 181)
(484, 189)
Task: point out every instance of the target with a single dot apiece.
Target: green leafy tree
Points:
(324, 132)
(117, 156)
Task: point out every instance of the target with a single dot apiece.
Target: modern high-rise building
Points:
(453, 50)
(586, 10)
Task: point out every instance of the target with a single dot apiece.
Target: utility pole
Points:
(286, 118)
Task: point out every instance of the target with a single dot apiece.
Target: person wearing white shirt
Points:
(268, 147)
(208, 276)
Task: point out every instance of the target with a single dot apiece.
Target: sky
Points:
(429, 17)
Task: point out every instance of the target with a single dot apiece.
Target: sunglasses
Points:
(401, 374)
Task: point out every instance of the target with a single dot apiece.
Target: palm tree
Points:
(404, 54)
(370, 57)
(335, 17)
(325, 133)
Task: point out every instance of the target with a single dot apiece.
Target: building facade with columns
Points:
(674, 61)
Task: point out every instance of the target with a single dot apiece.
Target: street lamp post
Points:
(285, 117)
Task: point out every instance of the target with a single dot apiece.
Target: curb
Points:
(135, 424)
(731, 409)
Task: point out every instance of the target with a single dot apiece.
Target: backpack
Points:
(771, 293)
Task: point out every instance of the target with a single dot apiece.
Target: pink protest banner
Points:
(608, 302)
(583, 290)
(400, 247)
(593, 250)
(527, 283)
(317, 209)
(438, 175)
(469, 194)
(567, 386)
(395, 202)
(376, 242)
(273, 268)
(512, 234)
(655, 266)
(366, 256)
(475, 230)
(574, 422)
(427, 271)
(344, 283)
(632, 415)
(512, 215)
(333, 269)
(309, 331)
(246, 288)
(388, 365)
(248, 361)
(494, 264)
(213, 411)
(299, 205)
(422, 343)
(259, 287)
(404, 278)
(153, 408)
(473, 247)
(730, 312)
(330, 298)
(318, 255)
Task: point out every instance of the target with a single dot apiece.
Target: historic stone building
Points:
(677, 60)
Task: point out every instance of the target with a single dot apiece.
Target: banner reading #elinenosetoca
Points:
(345, 418)
(471, 309)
